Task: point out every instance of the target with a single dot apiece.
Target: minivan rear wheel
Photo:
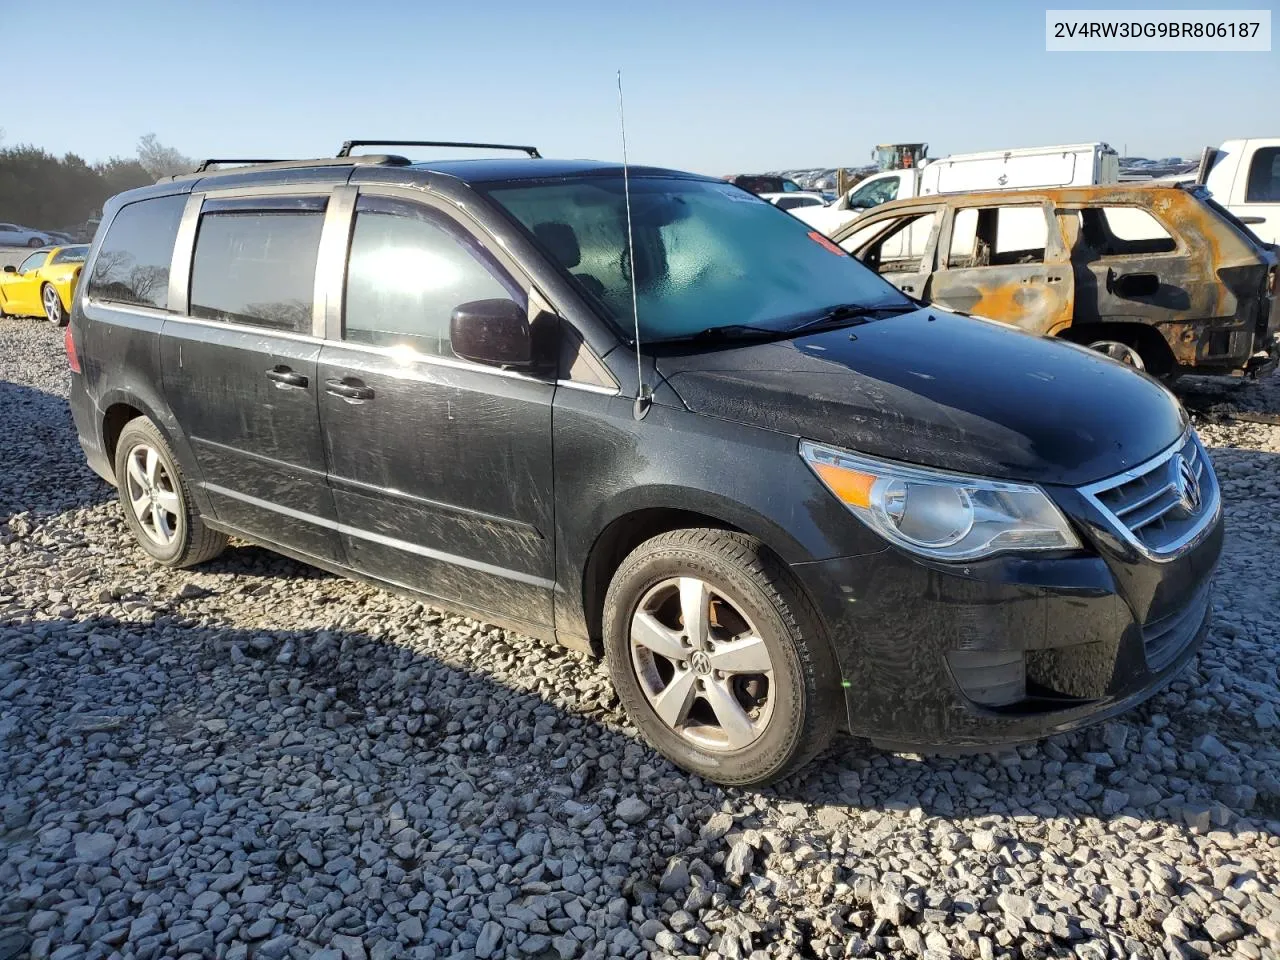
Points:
(157, 504)
(718, 658)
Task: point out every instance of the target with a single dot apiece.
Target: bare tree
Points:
(161, 161)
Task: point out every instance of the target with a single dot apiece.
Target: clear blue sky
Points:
(711, 86)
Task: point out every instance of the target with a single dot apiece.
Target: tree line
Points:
(46, 192)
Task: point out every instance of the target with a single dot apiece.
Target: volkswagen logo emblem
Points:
(1186, 485)
(700, 663)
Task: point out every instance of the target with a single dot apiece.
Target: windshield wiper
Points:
(849, 313)
(731, 331)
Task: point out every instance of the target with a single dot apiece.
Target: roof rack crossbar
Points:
(348, 145)
(219, 161)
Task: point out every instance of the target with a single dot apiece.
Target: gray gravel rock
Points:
(254, 759)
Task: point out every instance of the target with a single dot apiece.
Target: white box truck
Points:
(1056, 166)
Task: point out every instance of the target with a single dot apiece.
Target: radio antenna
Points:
(644, 396)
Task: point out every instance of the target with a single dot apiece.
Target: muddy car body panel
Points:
(1161, 269)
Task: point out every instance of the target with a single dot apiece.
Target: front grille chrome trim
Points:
(1129, 529)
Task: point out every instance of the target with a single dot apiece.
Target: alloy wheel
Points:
(152, 495)
(52, 305)
(702, 665)
(1119, 351)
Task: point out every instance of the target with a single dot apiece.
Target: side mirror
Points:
(10, 268)
(495, 332)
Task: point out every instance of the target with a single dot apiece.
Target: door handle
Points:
(908, 288)
(349, 389)
(286, 379)
(1252, 220)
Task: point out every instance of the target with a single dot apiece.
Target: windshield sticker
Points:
(823, 242)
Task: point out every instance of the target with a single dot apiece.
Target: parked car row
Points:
(655, 417)
(16, 235)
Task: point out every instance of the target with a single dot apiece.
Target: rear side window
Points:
(132, 265)
(256, 263)
(1264, 177)
(409, 269)
(1124, 231)
(999, 236)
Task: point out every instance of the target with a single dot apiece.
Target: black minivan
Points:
(801, 502)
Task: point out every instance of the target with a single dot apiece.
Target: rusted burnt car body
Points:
(1157, 276)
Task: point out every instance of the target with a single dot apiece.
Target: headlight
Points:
(941, 515)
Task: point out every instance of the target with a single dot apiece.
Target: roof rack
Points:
(219, 161)
(349, 144)
(364, 160)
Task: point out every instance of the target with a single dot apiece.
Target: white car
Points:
(793, 200)
(13, 235)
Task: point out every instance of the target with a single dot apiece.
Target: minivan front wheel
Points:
(157, 505)
(718, 658)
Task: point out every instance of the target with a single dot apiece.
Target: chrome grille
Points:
(1164, 506)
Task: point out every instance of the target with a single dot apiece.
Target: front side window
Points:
(1264, 177)
(257, 266)
(902, 249)
(409, 269)
(70, 255)
(132, 265)
(707, 255)
(33, 262)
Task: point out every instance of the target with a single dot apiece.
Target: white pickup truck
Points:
(1056, 166)
(1244, 176)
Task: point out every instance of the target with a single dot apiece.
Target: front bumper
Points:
(932, 654)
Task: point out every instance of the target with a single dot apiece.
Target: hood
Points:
(941, 390)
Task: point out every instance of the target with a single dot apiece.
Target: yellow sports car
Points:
(42, 284)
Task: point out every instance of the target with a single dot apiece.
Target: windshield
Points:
(708, 254)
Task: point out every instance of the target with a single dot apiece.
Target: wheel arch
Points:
(120, 405)
(647, 513)
(1146, 339)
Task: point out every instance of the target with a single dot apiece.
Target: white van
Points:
(1056, 166)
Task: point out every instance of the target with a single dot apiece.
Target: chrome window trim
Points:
(409, 355)
(115, 306)
(1177, 548)
(184, 248)
(246, 328)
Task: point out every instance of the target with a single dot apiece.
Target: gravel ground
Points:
(255, 759)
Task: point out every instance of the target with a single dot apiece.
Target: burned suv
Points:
(646, 414)
(1159, 277)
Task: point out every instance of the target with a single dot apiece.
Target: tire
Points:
(54, 311)
(757, 614)
(35, 242)
(167, 525)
